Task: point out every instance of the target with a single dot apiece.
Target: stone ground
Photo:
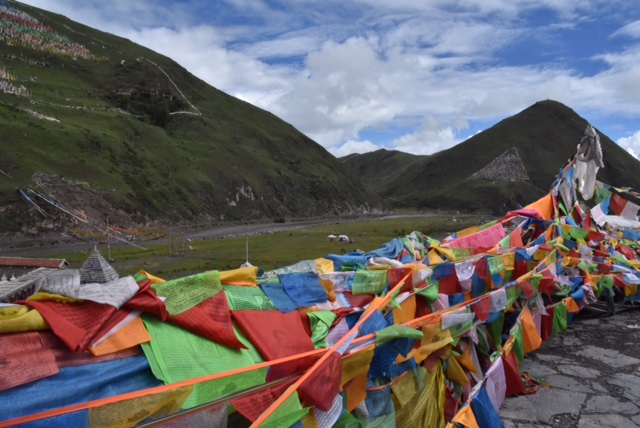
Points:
(593, 369)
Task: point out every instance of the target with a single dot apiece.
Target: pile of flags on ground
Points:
(417, 333)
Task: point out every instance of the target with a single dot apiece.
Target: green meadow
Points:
(176, 258)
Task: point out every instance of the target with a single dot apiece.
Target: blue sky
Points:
(412, 75)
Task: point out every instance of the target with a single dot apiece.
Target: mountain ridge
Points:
(545, 135)
(99, 115)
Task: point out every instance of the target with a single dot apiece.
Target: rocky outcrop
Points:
(506, 167)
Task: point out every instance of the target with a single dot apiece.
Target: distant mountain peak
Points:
(517, 159)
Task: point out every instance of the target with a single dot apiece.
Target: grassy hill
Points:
(110, 128)
(545, 135)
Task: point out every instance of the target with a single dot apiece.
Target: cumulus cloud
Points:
(334, 69)
(353, 146)
(631, 144)
(630, 30)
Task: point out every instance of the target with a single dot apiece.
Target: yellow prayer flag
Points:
(455, 373)
(406, 312)
(241, 276)
(42, 296)
(15, 319)
(154, 279)
(509, 260)
(355, 365)
(131, 412)
(426, 408)
(324, 265)
(434, 258)
(434, 339)
(631, 290)
(465, 359)
(309, 420)
(404, 388)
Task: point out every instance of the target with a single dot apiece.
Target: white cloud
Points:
(631, 144)
(431, 138)
(353, 146)
(430, 67)
(631, 30)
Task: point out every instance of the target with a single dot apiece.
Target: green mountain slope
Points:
(110, 128)
(545, 135)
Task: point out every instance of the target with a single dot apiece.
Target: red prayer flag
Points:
(359, 301)
(527, 288)
(395, 275)
(274, 334)
(75, 323)
(547, 323)
(306, 322)
(515, 385)
(298, 365)
(145, 300)
(24, 360)
(450, 285)
(482, 308)
(66, 358)
(322, 386)
(210, 319)
(252, 406)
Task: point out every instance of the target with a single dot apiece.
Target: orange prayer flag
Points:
(572, 306)
(356, 391)
(132, 334)
(466, 418)
(465, 359)
(544, 206)
(531, 339)
(328, 286)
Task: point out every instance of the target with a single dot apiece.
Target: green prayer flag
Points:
(347, 420)
(518, 345)
(396, 331)
(248, 298)
(578, 233)
(606, 283)
(601, 194)
(430, 292)
(139, 277)
(560, 318)
(513, 293)
(535, 282)
(175, 354)
(461, 253)
(183, 294)
(495, 331)
(321, 322)
(487, 225)
(496, 265)
(586, 266)
(287, 414)
(369, 282)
